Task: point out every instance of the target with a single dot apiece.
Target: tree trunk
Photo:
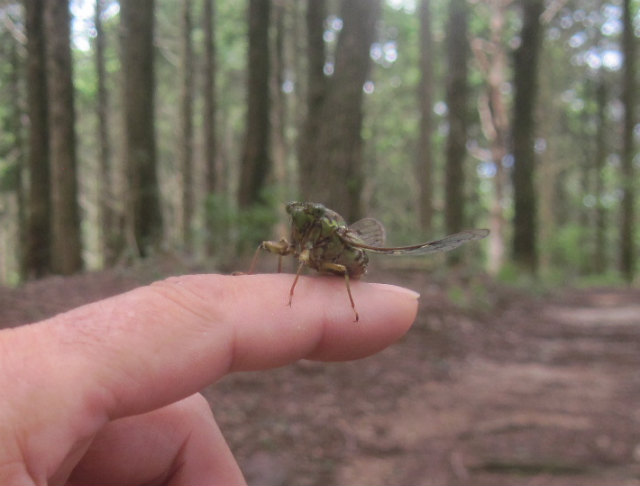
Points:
(111, 231)
(281, 172)
(600, 255)
(425, 163)
(37, 254)
(12, 160)
(334, 163)
(627, 227)
(144, 213)
(299, 94)
(490, 56)
(66, 246)
(526, 89)
(256, 160)
(279, 109)
(457, 102)
(316, 91)
(208, 118)
(186, 125)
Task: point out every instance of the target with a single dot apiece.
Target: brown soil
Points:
(504, 389)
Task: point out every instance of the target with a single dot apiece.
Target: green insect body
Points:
(315, 235)
(321, 239)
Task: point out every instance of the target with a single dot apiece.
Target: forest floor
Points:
(507, 388)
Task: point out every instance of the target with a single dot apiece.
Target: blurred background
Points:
(140, 139)
(184, 126)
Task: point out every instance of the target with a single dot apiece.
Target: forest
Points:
(144, 139)
(137, 127)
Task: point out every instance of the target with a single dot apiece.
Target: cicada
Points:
(321, 239)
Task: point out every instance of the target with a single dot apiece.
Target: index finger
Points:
(157, 344)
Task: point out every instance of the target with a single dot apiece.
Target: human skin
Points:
(107, 393)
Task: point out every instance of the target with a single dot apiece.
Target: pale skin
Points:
(108, 393)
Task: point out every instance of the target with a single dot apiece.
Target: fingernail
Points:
(398, 290)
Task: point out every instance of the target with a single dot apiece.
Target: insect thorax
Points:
(320, 237)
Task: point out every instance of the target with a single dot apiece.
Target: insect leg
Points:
(295, 281)
(336, 268)
(353, 305)
(280, 248)
(254, 259)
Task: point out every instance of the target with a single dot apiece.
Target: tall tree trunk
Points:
(299, 61)
(256, 159)
(526, 89)
(208, 118)
(600, 255)
(144, 212)
(334, 166)
(316, 91)
(425, 163)
(37, 254)
(457, 102)
(111, 236)
(186, 124)
(11, 156)
(16, 155)
(490, 56)
(627, 227)
(283, 18)
(280, 145)
(66, 246)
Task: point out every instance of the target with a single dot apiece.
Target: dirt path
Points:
(541, 392)
(526, 391)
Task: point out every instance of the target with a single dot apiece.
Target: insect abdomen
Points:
(357, 265)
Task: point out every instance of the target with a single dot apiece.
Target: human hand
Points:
(108, 393)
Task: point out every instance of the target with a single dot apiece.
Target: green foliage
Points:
(391, 124)
(254, 225)
(9, 177)
(238, 231)
(607, 279)
(472, 295)
(84, 81)
(219, 214)
(508, 273)
(513, 276)
(456, 294)
(567, 248)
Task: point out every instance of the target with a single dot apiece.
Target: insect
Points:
(321, 239)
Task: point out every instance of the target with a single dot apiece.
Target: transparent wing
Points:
(368, 231)
(445, 244)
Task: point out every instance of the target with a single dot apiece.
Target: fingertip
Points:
(402, 291)
(386, 314)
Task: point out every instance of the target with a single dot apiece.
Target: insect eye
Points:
(293, 207)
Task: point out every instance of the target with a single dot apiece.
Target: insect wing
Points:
(445, 244)
(368, 231)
